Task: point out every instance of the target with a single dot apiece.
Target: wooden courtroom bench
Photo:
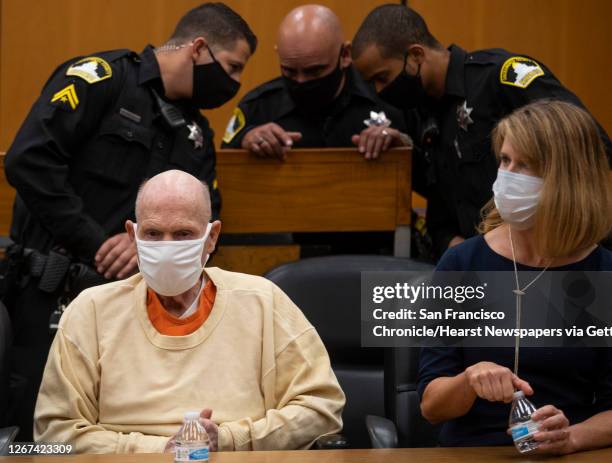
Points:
(314, 190)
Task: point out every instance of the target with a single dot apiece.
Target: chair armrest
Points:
(382, 432)
(7, 436)
(330, 442)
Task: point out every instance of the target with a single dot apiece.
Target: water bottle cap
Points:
(518, 395)
(190, 416)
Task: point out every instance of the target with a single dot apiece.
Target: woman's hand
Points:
(495, 383)
(553, 433)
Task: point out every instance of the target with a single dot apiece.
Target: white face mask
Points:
(171, 267)
(516, 198)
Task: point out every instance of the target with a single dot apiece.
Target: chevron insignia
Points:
(66, 98)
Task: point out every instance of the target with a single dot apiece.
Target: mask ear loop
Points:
(405, 63)
(340, 57)
(418, 73)
(207, 233)
(206, 236)
(211, 54)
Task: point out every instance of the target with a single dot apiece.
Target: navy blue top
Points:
(577, 380)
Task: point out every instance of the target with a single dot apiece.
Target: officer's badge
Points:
(520, 72)
(91, 69)
(463, 115)
(377, 120)
(195, 134)
(235, 125)
(66, 98)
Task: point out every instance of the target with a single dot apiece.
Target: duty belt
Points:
(54, 268)
(51, 269)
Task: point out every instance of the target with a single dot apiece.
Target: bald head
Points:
(309, 26)
(309, 36)
(173, 195)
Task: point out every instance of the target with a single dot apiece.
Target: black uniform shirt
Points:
(94, 134)
(270, 102)
(481, 88)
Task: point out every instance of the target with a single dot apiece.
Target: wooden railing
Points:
(314, 190)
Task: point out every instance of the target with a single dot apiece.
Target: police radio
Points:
(171, 114)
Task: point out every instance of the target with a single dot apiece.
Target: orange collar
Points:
(169, 325)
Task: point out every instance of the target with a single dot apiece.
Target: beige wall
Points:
(35, 36)
(571, 37)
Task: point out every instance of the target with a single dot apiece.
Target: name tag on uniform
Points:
(130, 115)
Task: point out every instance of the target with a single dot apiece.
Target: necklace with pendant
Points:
(519, 293)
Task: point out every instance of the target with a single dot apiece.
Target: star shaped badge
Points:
(195, 134)
(463, 116)
(377, 120)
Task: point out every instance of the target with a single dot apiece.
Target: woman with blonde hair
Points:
(551, 206)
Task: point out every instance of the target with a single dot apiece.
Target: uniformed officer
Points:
(319, 100)
(466, 93)
(102, 125)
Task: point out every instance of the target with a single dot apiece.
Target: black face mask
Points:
(212, 86)
(315, 95)
(405, 91)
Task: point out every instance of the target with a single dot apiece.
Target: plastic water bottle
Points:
(521, 425)
(192, 440)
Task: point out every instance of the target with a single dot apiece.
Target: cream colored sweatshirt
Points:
(113, 384)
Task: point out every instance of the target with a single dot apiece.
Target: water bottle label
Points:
(523, 430)
(190, 454)
(199, 455)
(181, 453)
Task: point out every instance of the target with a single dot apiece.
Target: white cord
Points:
(519, 301)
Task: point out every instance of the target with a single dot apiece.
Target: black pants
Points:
(30, 310)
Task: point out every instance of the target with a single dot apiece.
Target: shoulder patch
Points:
(66, 98)
(235, 125)
(91, 69)
(519, 71)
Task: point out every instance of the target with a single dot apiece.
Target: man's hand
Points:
(270, 140)
(211, 429)
(170, 445)
(495, 383)
(116, 258)
(376, 139)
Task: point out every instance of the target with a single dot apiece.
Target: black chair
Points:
(404, 425)
(7, 433)
(327, 289)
